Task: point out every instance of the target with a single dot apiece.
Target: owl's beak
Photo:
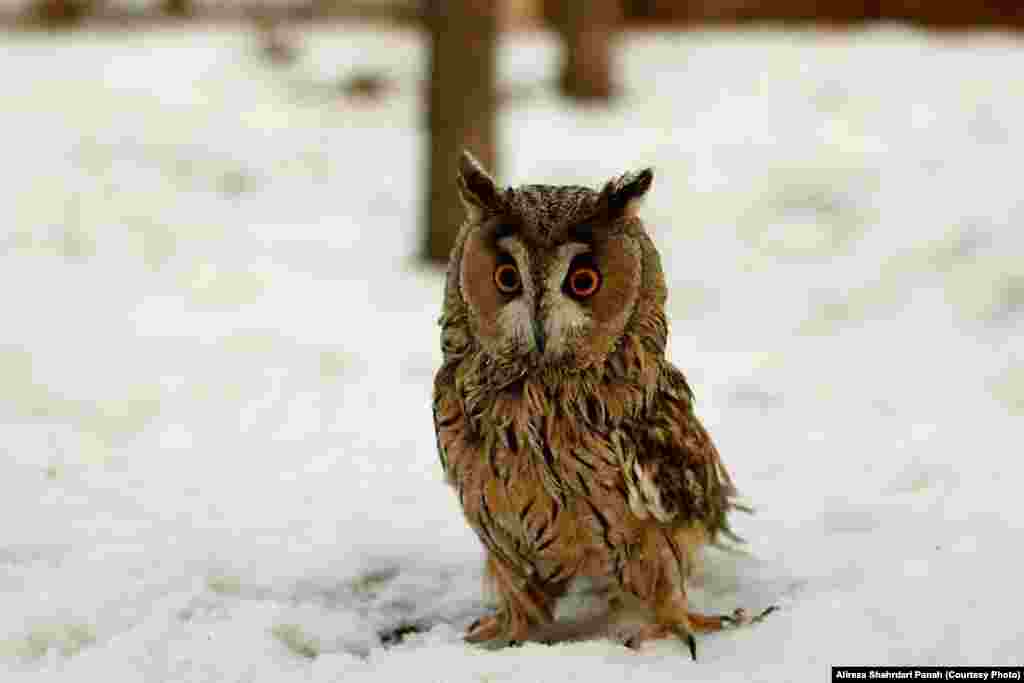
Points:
(538, 335)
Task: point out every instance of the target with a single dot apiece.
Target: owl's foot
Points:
(740, 617)
(698, 622)
(495, 629)
(718, 622)
(659, 631)
(484, 629)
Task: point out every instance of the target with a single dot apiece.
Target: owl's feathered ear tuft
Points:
(622, 195)
(479, 193)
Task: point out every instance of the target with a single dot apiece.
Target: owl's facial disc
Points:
(551, 319)
(564, 304)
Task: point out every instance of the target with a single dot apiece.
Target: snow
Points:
(218, 462)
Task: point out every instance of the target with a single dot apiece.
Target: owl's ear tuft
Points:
(479, 193)
(622, 195)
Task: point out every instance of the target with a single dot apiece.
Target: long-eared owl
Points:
(570, 439)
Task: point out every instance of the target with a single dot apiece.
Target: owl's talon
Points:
(737, 618)
(740, 617)
(649, 632)
(657, 631)
(691, 643)
(484, 629)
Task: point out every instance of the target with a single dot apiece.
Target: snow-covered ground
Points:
(216, 454)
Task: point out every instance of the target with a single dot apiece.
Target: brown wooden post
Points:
(178, 8)
(59, 14)
(463, 39)
(588, 29)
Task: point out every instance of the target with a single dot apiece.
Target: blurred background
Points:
(222, 244)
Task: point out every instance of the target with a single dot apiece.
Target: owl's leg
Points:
(659, 582)
(671, 618)
(522, 605)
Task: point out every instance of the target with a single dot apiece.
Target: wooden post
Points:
(181, 9)
(59, 14)
(463, 37)
(588, 29)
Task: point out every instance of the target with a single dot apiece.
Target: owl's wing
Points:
(448, 417)
(672, 469)
(449, 420)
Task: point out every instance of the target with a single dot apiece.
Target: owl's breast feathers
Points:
(561, 478)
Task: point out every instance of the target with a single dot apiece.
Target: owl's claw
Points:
(484, 629)
(649, 632)
(656, 631)
(700, 622)
(741, 618)
(492, 631)
(691, 643)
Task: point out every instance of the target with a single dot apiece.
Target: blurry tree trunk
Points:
(178, 8)
(463, 36)
(59, 13)
(588, 29)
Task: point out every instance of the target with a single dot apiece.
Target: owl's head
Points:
(553, 275)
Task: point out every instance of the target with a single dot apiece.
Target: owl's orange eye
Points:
(584, 282)
(506, 277)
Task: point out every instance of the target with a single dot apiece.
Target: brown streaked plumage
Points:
(570, 439)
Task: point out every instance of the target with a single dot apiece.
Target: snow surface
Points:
(217, 350)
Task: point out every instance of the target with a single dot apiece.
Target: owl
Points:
(569, 438)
